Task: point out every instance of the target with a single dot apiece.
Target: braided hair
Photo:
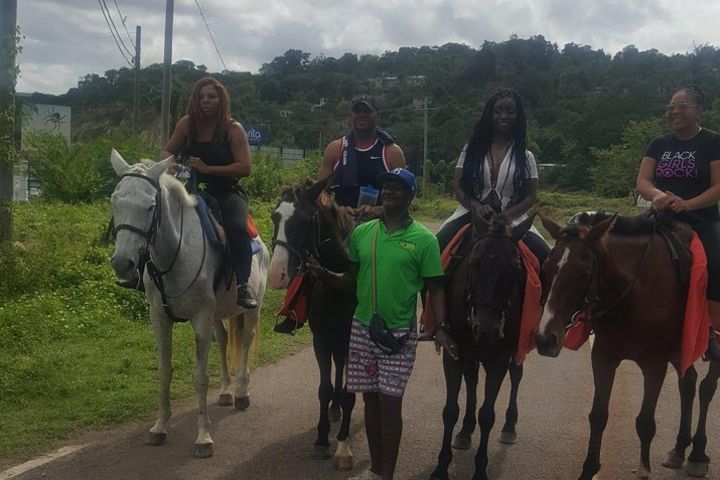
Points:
(473, 170)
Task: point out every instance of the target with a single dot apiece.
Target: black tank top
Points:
(214, 154)
(370, 162)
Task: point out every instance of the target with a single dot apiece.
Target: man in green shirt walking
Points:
(406, 259)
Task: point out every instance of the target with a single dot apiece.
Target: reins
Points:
(591, 291)
(155, 273)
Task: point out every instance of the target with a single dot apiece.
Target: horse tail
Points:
(235, 347)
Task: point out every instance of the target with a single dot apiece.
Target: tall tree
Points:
(8, 75)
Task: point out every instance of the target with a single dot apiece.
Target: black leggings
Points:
(234, 208)
(709, 234)
(534, 242)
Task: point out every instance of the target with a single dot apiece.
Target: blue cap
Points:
(402, 175)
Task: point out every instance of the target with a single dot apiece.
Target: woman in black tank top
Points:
(218, 151)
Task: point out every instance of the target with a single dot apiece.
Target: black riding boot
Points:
(288, 325)
(713, 351)
(245, 297)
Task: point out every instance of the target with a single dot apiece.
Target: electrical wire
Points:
(114, 32)
(132, 42)
(202, 14)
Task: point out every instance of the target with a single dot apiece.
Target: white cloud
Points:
(66, 39)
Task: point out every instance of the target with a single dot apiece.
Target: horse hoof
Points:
(508, 438)
(321, 452)
(225, 399)
(155, 439)
(462, 442)
(334, 413)
(673, 460)
(343, 464)
(203, 450)
(242, 403)
(697, 469)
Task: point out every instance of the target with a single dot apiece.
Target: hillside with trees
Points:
(589, 112)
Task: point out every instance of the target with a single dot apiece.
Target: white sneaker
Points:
(367, 475)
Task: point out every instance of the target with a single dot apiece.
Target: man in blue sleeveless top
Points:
(355, 160)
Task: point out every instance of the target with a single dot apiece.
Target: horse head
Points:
(135, 210)
(496, 273)
(294, 218)
(569, 276)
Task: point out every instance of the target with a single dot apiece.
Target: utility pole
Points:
(137, 79)
(8, 76)
(426, 170)
(167, 73)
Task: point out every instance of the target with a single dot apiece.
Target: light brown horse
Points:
(620, 271)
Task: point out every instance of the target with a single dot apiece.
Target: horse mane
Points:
(325, 203)
(628, 226)
(177, 190)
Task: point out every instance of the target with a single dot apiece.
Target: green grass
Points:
(77, 351)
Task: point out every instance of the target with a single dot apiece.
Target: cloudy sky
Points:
(66, 39)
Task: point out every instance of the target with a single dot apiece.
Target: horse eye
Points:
(150, 208)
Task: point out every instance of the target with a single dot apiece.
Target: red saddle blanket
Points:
(295, 306)
(696, 326)
(531, 311)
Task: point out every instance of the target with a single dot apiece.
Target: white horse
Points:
(155, 218)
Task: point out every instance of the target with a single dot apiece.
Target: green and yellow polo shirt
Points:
(403, 260)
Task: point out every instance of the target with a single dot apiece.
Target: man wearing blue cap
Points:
(392, 258)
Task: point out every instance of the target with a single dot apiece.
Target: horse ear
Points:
(601, 229)
(312, 193)
(118, 163)
(156, 170)
(553, 228)
(519, 230)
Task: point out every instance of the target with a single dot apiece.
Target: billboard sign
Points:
(54, 119)
(257, 134)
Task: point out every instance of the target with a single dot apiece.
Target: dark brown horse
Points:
(307, 222)
(621, 272)
(484, 298)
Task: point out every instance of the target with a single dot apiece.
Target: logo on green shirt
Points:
(406, 245)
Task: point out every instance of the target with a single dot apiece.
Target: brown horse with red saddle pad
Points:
(620, 273)
(485, 296)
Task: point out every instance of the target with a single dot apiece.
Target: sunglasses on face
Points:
(680, 107)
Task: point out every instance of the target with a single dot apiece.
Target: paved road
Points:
(273, 438)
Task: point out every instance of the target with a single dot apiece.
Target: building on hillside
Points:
(415, 80)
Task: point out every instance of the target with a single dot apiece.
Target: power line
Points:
(211, 35)
(115, 33)
(122, 20)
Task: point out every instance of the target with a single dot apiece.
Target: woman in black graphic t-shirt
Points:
(680, 172)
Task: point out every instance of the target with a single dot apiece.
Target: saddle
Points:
(208, 210)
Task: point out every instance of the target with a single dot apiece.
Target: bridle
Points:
(490, 304)
(584, 312)
(150, 236)
(309, 246)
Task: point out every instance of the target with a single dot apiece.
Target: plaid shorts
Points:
(372, 370)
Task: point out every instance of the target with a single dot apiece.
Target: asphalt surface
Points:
(273, 438)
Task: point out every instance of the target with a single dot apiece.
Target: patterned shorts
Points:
(372, 370)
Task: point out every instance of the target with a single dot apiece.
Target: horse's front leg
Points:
(463, 439)
(654, 372)
(604, 368)
(323, 356)
(225, 398)
(451, 412)
(698, 460)
(495, 371)
(686, 386)
(162, 327)
(343, 453)
(202, 324)
(242, 333)
(509, 435)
